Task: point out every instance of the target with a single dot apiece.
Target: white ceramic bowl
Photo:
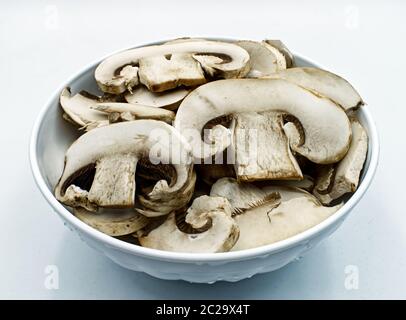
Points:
(52, 136)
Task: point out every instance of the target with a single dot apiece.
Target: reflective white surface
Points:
(45, 43)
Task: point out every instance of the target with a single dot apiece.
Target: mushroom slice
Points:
(261, 148)
(280, 46)
(324, 83)
(216, 231)
(128, 111)
(113, 222)
(343, 177)
(168, 100)
(112, 152)
(270, 223)
(78, 109)
(322, 142)
(262, 60)
(244, 196)
(271, 213)
(307, 183)
(119, 72)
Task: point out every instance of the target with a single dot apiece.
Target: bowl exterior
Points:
(206, 272)
(52, 136)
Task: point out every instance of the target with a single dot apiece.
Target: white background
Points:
(44, 43)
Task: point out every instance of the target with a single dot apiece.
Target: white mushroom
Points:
(113, 222)
(112, 153)
(244, 196)
(128, 111)
(307, 183)
(262, 59)
(78, 109)
(270, 214)
(169, 99)
(270, 223)
(324, 83)
(343, 177)
(279, 56)
(325, 127)
(280, 46)
(231, 61)
(261, 147)
(216, 231)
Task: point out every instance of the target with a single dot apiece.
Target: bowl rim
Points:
(155, 254)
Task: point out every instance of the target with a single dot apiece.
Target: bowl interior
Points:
(52, 136)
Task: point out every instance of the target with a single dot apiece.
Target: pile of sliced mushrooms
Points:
(149, 165)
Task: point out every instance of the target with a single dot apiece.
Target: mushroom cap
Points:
(326, 127)
(324, 83)
(108, 80)
(220, 235)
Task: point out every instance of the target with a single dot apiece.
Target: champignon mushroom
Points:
(270, 214)
(113, 222)
(280, 46)
(245, 195)
(129, 112)
(112, 153)
(78, 110)
(336, 180)
(325, 127)
(270, 223)
(307, 183)
(261, 147)
(215, 229)
(119, 72)
(168, 100)
(324, 83)
(262, 59)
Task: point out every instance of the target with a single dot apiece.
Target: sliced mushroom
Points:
(112, 152)
(280, 46)
(279, 56)
(261, 147)
(243, 196)
(307, 183)
(78, 109)
(343, 177)
(269, 214)
(128, 111)
(324, 83)
(322, 142)
(270, 223)
(113, 222)
(168, 100)
(262, 59)
(210, 216)
(119, 72)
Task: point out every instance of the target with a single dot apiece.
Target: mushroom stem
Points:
(118, 189)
